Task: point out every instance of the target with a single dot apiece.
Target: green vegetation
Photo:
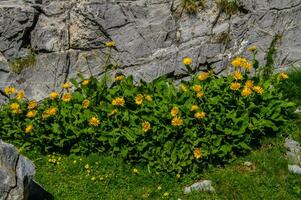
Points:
(19, 64)
(191, 6)
(292, 86)
(230, 7)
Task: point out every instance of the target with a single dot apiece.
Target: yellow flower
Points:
(14, 106)
(174, 111)
(49, 112)
(111, 44)
(85, 103)
(258, 89)
(252, 48)
(183, 87)
(241, 62)
(9, 90)
(235, 86)
(119, 101)
(200, 94)
(187, 61)
(119, 78)
(166, 194)
(197, 153)
(283, 76)
(200, 115)
(85, 82)
(20, 95)
(177, 121)
(246, 92)
(32, 105)
(31, 114)
(148, 98)
(249, 84)
(113, 112)
(66, 85)
(139, 99)
(203, 76)
(29, 128)
(67, 97)
(94, 121)
(197, 88)
(53, 95)
(146, 126)
(194, 107)
(135, 171)
(237, 75)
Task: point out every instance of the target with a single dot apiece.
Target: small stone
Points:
(294, 158)
(295, 169)
(292, 145)
(199, 186)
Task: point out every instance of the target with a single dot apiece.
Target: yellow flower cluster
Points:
(246, 92)
(148, 98)
(53, 95)
(200, 115)
(183, 87)
(247, 89)
(258, 89)
(237, 75)
(139, 99)
(9, 90)
(85, 103)
(119, 101)
(203, 76)
(15, 108)
(235, 86)
(54, 159)
(146, 126)
(29, 128)
(241, 62)
(283, 76)
(31, 114)
(66, 85)
(20, 95)
(32, 105)
(94, 121)
(197, 88)
(197, 153)
(88, 168)
(49, 112)
(174, 111)
(119, 78)
(194, 108)
(177, 121)
(67, 97)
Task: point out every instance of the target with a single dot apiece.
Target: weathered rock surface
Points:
(152, 37)
(16, 173)
(293, 155)
(205, 185)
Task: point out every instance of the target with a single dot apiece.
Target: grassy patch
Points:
(19, 64)
(267, 178)
(229, 7)
(293, 85)
(191, 6)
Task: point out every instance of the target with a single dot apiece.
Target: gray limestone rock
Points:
(295, 169)
(200, 186)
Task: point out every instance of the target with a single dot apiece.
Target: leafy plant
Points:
(191, 6)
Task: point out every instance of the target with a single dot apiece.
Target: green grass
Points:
(292, 86)
(268, 178)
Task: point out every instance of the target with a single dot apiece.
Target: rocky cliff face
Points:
(59, 38)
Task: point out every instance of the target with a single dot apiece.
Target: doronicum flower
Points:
(174, 111)
(177, 121)
(258, 89)
(200, 94)
(20, 95)
(49, 112)
(249, 84)
(67, 97)
(197, 153)
(235, 86)
(197, 88)
(85, 103)
(119, 101)
(29, 128)
(32, 105)
(246, 92)
(9, 90)
(241, 62)
(53, 95)
(283, 76)
(94, 121)
(252, 48)
(200, 115)
(203, 76)
(139, 99)
(31, 114)
(85, 82)
(66, 85)
(187, 61)
(111, 44)
(237, 75)
(119, 78)
(146, 126)
(194, 107)
(14, 106)
(148, 98)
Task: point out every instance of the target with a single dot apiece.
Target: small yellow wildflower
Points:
(31, 114)
(249, 84)
(200, 115)
(14, 106)
(53, 95)
(135, 171)
(252, 48)
(283, 76)
(32, 105)
(177, 121)
(94, 121)
(20, 95)
(146, 126)
(148, 98)
(187, 61)
(119, 101)
(139, 99)
(174, 111)
(85, 103)
(111, 44)
(49, 112)
(197, 153)
(183, 87)
(29, 128)
(203, 76)
(235, 86)
(246, 92)
(197, 88)
(194, 107)
(67, 97)
(237, 75)
(241, 62)
(258, 89)
(9, 90)
(200, 94)
(119, 78)
(85, 82)
(66, 85)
